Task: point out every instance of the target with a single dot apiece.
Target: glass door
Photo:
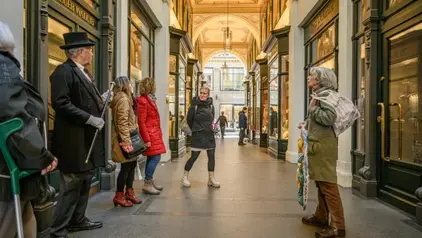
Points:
(400, 118)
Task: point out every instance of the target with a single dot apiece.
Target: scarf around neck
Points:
(153, 97)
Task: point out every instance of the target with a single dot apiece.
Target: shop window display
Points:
(274, 97)
(284, 117)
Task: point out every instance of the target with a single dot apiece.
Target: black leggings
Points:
(126, 175)
(195, 155)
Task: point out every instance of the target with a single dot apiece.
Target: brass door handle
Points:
(381, 119)
(400, 128)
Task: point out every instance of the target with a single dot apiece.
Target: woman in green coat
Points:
(323, 154)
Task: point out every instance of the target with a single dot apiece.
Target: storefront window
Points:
(182, 93)
(56, 56)
(140, 48)
(360, 79)
(258, 105)
(360, 84)
(284, 120)
(172, 105)
(405, 76)
(265, 103)
(188, 93)
(274, 96)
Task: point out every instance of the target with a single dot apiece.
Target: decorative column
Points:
(43, 206)
(365, 181)
(296, 82)
(345, 87)
(106, 72)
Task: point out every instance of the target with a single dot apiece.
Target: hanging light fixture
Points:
(227, 33)
(226, 44)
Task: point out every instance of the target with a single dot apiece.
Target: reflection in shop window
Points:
(405, 76)
(56, 56)
(284, 117)
(172, 105)
(182, 93)
(274, 113)
(360, 132)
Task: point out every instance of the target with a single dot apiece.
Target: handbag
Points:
(137, 144)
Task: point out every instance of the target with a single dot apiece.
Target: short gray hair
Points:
(7, 41)
(72, 53)
(326, 77)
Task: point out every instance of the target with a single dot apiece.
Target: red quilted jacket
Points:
(149, 125)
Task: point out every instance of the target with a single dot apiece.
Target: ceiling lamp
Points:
(227, 33)
(227, 38)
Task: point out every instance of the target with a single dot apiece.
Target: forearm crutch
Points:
(6, 129)
(110, 91)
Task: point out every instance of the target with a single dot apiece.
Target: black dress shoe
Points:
(313, 221)
(85, 225)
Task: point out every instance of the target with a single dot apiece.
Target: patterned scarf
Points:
(153, 97)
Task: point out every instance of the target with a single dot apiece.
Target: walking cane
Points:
(110, 91)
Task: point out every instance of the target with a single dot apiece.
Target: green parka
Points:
(322, 142)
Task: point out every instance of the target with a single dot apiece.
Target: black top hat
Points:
(76, 40)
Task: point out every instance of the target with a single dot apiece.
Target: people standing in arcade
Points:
(77, 104)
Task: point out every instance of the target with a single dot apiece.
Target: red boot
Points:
(120, 199)
(130, 196)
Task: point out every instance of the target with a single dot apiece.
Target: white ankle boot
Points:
(185, 181)
(211, 180)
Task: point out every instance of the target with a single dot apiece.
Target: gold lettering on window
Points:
(80, 12)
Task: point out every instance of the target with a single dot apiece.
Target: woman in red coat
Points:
(150, 130)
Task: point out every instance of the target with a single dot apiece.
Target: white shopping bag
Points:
(138, 174)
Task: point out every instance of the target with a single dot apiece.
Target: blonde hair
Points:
(206, 89)
(122, 84)
(147, 86)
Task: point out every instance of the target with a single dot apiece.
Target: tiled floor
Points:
(257, 199)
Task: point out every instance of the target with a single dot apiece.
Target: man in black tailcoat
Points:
(77, 104)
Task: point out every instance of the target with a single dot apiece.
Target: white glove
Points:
(97, 122)
(104, 95)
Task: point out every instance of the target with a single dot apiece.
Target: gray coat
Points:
(18, 99)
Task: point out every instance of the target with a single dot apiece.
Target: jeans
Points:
(195, 155)
(126, 175)
(152, 162)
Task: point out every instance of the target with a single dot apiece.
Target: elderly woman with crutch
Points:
(19, 100)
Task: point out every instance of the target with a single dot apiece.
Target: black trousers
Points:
(241, 135)
(195, 155)
(126, 175)
(72, 201)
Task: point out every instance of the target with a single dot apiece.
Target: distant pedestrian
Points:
(243, 125)
(223, 123)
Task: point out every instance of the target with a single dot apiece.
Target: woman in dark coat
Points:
(200, 118)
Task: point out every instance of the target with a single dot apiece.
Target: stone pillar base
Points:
(108, 181)
(419, 213)
(44, 214)
(292, 157)
(366, 188)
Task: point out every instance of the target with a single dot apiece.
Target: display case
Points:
(180, 47)
(262, 82)
(277, 49)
